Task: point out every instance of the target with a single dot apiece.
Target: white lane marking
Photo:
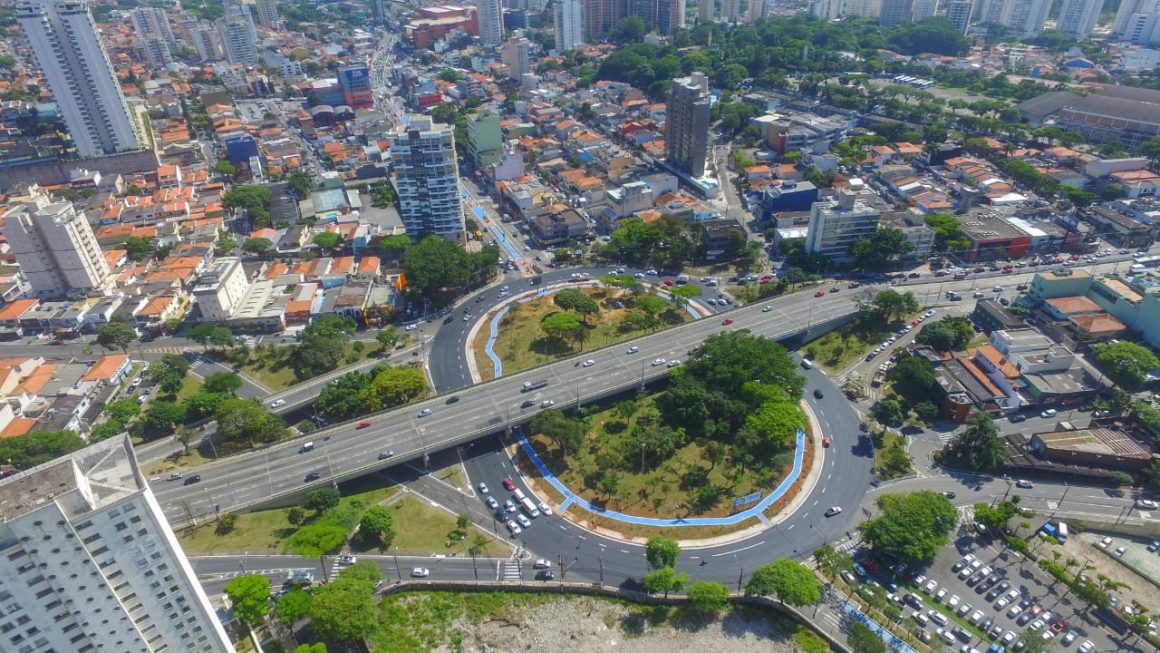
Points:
(728, 553)
(791, 527)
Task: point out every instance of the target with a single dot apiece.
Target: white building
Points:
(206, 40)
(959, 13)
(1025, 16)
(894, 12)
(152, 22)
(426, 178)
(1077, 18)
(837, 224)
(89, 564)
(1128, 8)
(221, 289)
(156, 51)
(56, 248)
(923, 9)
(517, 56)
(239, 39)
(569, 24)
(490, 23)
(64, 39)
(1137, 59)
(1142, 28)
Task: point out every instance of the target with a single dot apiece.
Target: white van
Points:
(519, 494)
(807, 364)
(306, 446)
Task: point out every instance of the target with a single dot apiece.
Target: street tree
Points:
(393, 386)
(832, 561)
(293, 606)
(322, 499)
(207, 334)
(168, 373)
(247, 421)
(665, 579)
(565, 432)
(250, 596)
(661, 551)
(789, 580)
(222, 382)
(683, 294)
(376, 527)
(864, 640)
(344, 610)
(116, 335)
(1126, 363)
(321, 346)
(979, 446)
(562, 326)
(389, 337)
(328, 240)
(708, 596)
(257, 246)
(911, 526)
(879, 250)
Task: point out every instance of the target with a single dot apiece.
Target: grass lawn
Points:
(837, 350)
(423, 528)
(189, 385)
(272, 368)
(653, 490)
(522, 344)
(266, 530)
(191, 458)
(890, 457)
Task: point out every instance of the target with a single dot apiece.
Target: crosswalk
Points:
(947, 437)
(511, 570)
(163, 350)
(830, 620)
(966, 514)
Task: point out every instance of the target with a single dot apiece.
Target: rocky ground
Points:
(584, 625)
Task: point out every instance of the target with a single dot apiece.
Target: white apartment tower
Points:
(490, 22)
(426, 178)
(220, 289)
(56, 248)
(894, 12)
(152, 22)
(268, 14)
(239, 39)
(1128, 8)
(1077, 18)
(923, 9)
(836, 225)
(206, 40)
(1026, 17)
(517, 56)
(88, 563)
(569, 24)
(64, 39)
(959, 13)
(1142, 28)
(156, 51)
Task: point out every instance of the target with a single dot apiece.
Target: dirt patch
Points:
(1082, 548)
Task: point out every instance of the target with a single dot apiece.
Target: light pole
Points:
(740, 573)
(602, 565)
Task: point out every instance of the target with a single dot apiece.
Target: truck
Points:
(534, 385)
(1057, 530)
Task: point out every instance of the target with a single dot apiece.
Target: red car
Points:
(820, 293)
(508, 485)
(727, 321)
(1008, 270)
(825, 440)
(669, 283)
(363, 424)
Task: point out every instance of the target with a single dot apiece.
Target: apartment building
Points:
(490, 23)
(88, 562)
(569, 25)
(220, 289)
(56, 248)
(426, 178)
(836, 225)
(687, 124)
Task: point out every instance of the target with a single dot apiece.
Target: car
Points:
(547, 403)
(1017, 417)
(964, 608)
(937, 617)
(545, 574)
(975, 616)
(363, 424)
(1120, 551)
(509, 485)
(383, 455)
(833, 510)
(1024, 484)
(919, 581)
(953, 602)
(994, 593)
(673, 363)
(1086, 647)
(1103, 544)
(727, 321)
(1002, 603)
(588, 363)
(1154, 547)
(523, 520)
(976, 579)
(513, 527)
(978, 294)
(1024, 618)
(930, 586)
(1147, 504)
(923, 635)
(834, 289)
(1036, 625)
(658, 362)
(940, 595)
(818, 394)
(986, 624)
(946, 636)
(1035, 610)
(491, 502)
(996, 631)
(425, 412)
(826, 441)
(1014, 611)
(420, 572)
(767, 309)
(633, 349)
(313, 476)
(190, 480)
(544, 508)
(1050, 412)
(277, 403)
(453, 399)
(1059, 626)
(820, 293)
(175, 476)
(542, 564)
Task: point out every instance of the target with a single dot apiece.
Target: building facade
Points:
(221, 289)
(152, 22)
(517, 56)
(687, 124)
(959, 13)
(894, 12)
(484, 138)
(569, 25)
(268, 14)
(239, 39)
(64, 39)
(1129, 8)
(1077, 18)
(426, 178)
(88, 562)
(56, 249)
(490, 23)
(836, 225)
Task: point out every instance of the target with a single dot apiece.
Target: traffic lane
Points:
(203, 367)
(214, 572)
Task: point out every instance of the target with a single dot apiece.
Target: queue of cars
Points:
(517, 512)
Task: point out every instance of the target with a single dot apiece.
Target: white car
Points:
(420, 572)
(953, 602)
(633, 349)
(277, 403)
(930, 586)
(675, 362)
(976, 616)
(1009, 638)
(542, 564)
(524, 521)
(483, 488)
(767, 309)
(514, 528)
(1104, 543)
(658, 361)
(1035, 625)
(1147, 504)
(425, 412)
(1086, 647)
(1121, 550)
(1014, 611)
(928, 313)
(941, 594)
(589, 363)
(544, 508)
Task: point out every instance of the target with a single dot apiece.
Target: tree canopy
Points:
(911, 526)
(439, 270)
(979, 446)
(1126, 363)
(321, 345)
(344, 609)
(250, 596)
(661, 551)
(789, 580)
(32, 449)
(246, 422)
(116, 335)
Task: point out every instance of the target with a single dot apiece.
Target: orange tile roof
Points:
(277, 269)
(1099, 323)
(369, 265)
(18, 426)
(970, 366)
(113, 256)
(157, 305)
(1074, 304)
(105, 367)
(16, 308)
(1000, 361)
(35, 382)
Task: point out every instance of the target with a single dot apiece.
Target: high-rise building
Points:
(730, 10)
(867, 8)
(1128, 8)
(990, 12)
(155, 51)
(1025, 17)
(923, 9)
(88, 562)
(1077, 18)
(959, 13)
(1142, 28)
(484, 138)
(601, 15)
(151, 21)
(569, 24)
(239, 38)
(705, 10)
(56, 248)
(894, 12)
(670, 15)
(268, 14)
(836, 225)
(687, 124)
(828, 9)
(426, 178)
(206, 40)
(490, 22)
(64, 39)
(517, 56)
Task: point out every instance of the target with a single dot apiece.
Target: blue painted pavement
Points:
(891, 640)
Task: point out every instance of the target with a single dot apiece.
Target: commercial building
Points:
(430, 24)
(687, 124)
(835, 225)
(1093, 447)
(426, 178)
(355, 81)
(569, 25)
(484, 138)
(89, 563)
(56, 248)
(490, 23)
(239, 39)
(221, 289)
(1077, 18)
(64, 39)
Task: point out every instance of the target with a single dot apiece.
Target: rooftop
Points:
(97, 475)
(1108, 442)
(1074, 304)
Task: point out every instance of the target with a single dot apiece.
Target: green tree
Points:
(116, 335)
(225, 168)
(789, 580)
(708, 596)
(301, 182)
(630, 29)
(250, 596)
(254, 199)
(566, 433)
(138, 248)
(123, 410)
(913, 378)
(389, 337)
(911, 526)
(244, 420)
(778, 423)
(344, 610)
(322, 499)
(168, 373)
(321, 346)
(572, 299)
(661, 551)
(226, 523)
(979, 446)
(222, 383)
(864, 640)
(879, 249)
(832, 562)
(257, 246)
(635, 240)
(161, 418)
(206, 334)
(438, 270)
(376, 527)
(665, 579)
(328, 240)
(394, 246)
(393, 386)
(293, 606)
(562, 326)
(37, 447)
(1126, 363)
(295, 515)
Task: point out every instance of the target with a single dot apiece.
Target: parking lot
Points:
(972, 597)
(1136, 561)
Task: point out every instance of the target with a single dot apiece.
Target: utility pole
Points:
(602, 565)
(397, 569)
(474, 566)
(322, 563)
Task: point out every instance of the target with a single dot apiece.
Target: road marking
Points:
(824, 489)
(790, 528)
(582, 537)
(728, 553)
(624, 550)
(829, 476)
(1052, 505)
(561, 527)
